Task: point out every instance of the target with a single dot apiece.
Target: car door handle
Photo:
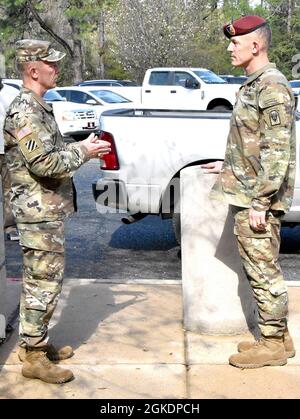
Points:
(173, 91)
(147, 91)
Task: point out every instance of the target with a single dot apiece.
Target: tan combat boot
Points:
(52, 353)
(287, 341)
(37, 365)
(268, 352)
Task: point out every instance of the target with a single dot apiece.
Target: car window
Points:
(159, 78)
(180, 78)
(109, 97)
(235, 79)
(63, 93)
(53, 96)
(128, 83)
(16, 86)
(295, 83)
(79, 97)
(209, 77)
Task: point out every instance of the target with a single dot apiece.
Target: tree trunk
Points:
(77, 53)
(290, 6)
(101, 32)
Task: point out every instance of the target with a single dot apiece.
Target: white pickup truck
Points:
(150, 148)
(181, 88)
(187, 88)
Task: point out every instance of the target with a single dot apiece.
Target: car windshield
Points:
(128, 83)
(109, 97)
(295, 83)
(234, 79)
(209, 77)
(53, 96)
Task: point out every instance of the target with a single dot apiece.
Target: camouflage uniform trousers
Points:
(43, 269)
(259, 252)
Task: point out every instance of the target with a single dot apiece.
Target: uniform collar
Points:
(39, 99)
(254, 76)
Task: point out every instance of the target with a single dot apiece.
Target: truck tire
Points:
(221, 108)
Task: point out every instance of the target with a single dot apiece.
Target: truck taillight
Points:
(109, 161)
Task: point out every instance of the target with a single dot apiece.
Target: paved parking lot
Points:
(101, 246)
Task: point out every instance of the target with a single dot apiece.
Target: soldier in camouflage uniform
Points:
(9, 222)
(41, 167)
(257, 180)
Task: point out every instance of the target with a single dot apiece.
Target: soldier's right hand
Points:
(96, 148)
(213, 167)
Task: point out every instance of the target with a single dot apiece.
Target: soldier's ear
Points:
(33, 71)
(255, 47)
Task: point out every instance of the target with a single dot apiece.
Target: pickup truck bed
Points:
(151, 147)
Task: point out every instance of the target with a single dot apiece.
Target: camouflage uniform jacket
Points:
(259, 165)
(40, 164)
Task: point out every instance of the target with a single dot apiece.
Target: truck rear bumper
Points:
(121, 196)
(110, 193)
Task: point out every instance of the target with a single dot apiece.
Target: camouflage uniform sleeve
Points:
(276, 109)
(40, 153)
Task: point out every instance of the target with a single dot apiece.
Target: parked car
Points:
(186, 88)
(108, 83)
(16, 83)
(8, 93)
(100, 99)
(149, 148)
(295, 85)
(72, 119)
(233, 79)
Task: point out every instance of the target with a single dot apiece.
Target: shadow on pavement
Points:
(151, 233)
(85, 311)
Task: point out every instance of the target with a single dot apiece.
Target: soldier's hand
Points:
(257, 220)
(95, 147)
(213, 167)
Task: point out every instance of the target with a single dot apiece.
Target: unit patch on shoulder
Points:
(274, 118)
(31, 147)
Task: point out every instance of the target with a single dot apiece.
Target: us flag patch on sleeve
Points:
(23, 132)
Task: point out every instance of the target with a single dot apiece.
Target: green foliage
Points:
(173, 33)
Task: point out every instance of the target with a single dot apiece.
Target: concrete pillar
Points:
(2, 272)
(217, 297)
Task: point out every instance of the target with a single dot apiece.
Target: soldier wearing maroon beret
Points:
(257, 180)
(244, 25)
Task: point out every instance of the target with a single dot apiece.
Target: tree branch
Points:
(214, 7)
(43, 25)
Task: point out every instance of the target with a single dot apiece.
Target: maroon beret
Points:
(243, 25)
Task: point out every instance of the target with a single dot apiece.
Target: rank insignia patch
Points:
(31, 145)
(274, 118)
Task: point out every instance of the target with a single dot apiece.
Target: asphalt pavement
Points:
(101, 246)
(121, 310)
